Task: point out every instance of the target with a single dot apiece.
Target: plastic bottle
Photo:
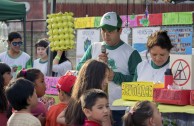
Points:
(168, 78)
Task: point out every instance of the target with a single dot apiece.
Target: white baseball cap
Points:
(110, 21)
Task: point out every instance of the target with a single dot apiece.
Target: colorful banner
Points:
(185, 17)
(86, 22)
(177, 18)
(181, 38)
(140, 20)
(155, 19)
(97, 21)
(51, 84)
(152, 20)
(130, 19)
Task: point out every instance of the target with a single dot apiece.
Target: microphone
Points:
(103, 49)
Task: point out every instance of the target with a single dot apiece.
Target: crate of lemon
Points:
(139, 90)
(61, 31)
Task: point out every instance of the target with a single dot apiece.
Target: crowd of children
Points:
(87, 105)
(85, 99)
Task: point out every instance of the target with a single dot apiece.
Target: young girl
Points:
(5, 77)
(143, 113)
(93, 74)
(37, 77)
(42, 52)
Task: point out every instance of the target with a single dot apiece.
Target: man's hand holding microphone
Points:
(104, 58)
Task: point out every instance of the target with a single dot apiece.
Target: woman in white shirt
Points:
(152, 69)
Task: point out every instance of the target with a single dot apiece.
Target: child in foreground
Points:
(94, 103)
(22, 96)
(37, 78)
(64, 85)
(143, 113)
(5, 77)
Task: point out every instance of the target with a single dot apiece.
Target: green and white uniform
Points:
(41, 65)
(148, 71)
(122, 59)
(22, 61)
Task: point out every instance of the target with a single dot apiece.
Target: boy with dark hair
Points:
(14, 57)
(42, 53)
(94, 103)
(22, 97)
(64, 86)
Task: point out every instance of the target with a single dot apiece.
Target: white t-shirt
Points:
(62, 68)
(42, 66)
(23, 119)
(23, 60)
(146, 72)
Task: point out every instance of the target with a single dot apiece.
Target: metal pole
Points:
(32, 38)
(50, 56)
(24, 29)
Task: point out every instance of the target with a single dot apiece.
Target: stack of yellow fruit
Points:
(61, 31)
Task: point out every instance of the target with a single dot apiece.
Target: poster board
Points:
(181, 38)
(85, 37)
(50, 84)
(139, 38)
(182, 67)
(125, 35)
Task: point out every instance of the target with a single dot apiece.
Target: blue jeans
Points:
(117, 117)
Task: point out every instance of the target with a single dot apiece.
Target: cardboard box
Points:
(139, 90)
(176, 97)
(192, 97)
(182, 68)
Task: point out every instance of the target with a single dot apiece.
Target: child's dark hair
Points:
(89, 97)
(42, 43)
(30, 74)
(161, 39)
(13, 35)
(138, 114)
(18, 93)
(3, 100)
(63, 57)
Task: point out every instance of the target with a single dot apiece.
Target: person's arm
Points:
(87, 55)
(29, 63)
(61, 118)
(133, 61)
(57, 57)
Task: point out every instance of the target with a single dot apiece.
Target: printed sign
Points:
(181, 38)
(51, 84)
(85, 37)
(182, 67)
(183, 72)
(140, 36)
(137, 90)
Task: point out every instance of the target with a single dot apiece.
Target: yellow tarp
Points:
(162, 107)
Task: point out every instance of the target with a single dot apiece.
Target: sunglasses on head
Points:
(17, 43)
